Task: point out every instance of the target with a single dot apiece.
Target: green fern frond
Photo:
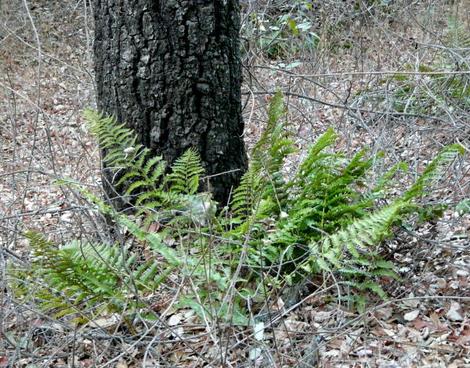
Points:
(272, 134)
(139, 184)
(139, 171)
(269, 154)
(434, 171)
(457, 35)
(81, 276)
(385, 180)
(326, 140)
(113, 136)
(324, 219)
(247, 196)
(355, 239)
(186, 172)
(374, 287)
(154, 168)
(262, 189)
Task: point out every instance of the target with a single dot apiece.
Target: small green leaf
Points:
(463, 207)
(293, 27)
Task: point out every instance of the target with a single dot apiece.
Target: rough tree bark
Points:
(170, 70)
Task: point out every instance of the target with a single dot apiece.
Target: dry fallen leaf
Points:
(441, 283)
(121, 364)
(384, 313)
(419, 323)
(105, 322)
(411, 316)
(457, 364)
(322, 316)
(454, 312)
(175, 319)
(4, 361)
(258, 331)
(463, 340)
(364, 352)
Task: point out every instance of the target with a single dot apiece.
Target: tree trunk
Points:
(170, 70)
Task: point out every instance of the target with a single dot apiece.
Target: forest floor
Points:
(348, 82)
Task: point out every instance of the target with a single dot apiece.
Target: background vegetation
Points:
(271, 284)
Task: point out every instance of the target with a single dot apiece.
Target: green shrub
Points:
(324, 219)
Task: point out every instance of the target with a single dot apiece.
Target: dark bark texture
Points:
(170, 70)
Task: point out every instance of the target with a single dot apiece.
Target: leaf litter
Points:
(426, 320)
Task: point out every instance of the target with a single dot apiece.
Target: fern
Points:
(247, 196)
(356, 238)
(137, 171)
(141, 176)
(275, 143)
(82, 276)
(330, 220)
(185, 173)
(384, 182)
(322, 219)
(263, 190)
(434, 171)
(457, 35)
(324, 196)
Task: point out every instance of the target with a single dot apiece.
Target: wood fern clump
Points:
(325, 218)
(322, 219)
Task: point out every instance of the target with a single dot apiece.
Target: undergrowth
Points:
(444, 84)
(326, 219)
